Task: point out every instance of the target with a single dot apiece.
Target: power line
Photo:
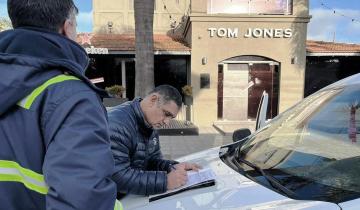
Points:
(339, 13)
(167, 9)
(172, 21)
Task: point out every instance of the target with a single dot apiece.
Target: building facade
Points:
(229, 51)
(242, 52)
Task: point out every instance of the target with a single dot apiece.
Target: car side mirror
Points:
(240, 134)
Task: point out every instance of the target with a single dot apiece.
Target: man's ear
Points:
(67, 29)
(62, 28)
(153, 99)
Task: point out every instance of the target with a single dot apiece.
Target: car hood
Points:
(231, 191)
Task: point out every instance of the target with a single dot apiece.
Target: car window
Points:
(313, 149)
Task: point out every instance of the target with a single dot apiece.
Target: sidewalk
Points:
(174, 147)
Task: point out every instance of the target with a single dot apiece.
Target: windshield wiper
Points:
(269, 178)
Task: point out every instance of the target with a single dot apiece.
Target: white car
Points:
(306, 158)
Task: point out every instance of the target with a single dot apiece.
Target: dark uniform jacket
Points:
(139, 167)
(54, 141)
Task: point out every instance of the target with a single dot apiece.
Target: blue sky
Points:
(323, 25)
(84, 18)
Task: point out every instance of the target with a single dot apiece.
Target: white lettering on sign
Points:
(288, 33)
(233, 33)
(251, 32)
(224, 32)
(212, 31)
(278, 33)
(257, 32)
(268, 32)
(221, 32)
(93, 50)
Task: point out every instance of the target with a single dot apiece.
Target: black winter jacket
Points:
(139, 167)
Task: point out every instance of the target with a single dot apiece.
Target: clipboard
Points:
(196, 186)
(196, 179)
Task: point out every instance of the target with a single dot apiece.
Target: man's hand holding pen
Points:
(178, 175)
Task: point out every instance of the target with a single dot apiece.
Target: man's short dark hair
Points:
(168, 93)
(48, 14)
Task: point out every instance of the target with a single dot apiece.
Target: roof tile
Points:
(331, 47)
(126, 42)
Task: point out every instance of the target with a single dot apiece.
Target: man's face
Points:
(160, 113)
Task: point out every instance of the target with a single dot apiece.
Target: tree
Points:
(144, 46)
(5, 24)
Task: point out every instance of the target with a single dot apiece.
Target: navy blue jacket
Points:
(139, 167)
(62, 137)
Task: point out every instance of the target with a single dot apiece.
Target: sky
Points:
(325, 25)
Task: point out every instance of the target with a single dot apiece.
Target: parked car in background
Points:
(308, 157)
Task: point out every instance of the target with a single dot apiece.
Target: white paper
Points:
(195, 177)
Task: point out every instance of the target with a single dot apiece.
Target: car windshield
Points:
(312, 149)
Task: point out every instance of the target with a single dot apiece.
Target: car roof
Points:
(348, 81)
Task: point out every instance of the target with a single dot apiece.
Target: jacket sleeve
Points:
(78, 163)
(156, 161)
(129, 179)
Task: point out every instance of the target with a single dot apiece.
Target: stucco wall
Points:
(216, 49)
(121, 13)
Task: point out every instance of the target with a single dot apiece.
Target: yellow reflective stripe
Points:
(118, 205)
(13, 172)
(27, 172)
(28, 100)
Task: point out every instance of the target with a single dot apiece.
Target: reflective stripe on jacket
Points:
(28, 100)
(12, 171)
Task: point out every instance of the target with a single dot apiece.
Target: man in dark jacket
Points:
(55, 151)
(139, 167)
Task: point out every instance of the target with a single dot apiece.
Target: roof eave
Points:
(327, 54)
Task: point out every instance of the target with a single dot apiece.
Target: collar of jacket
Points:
(144, 126)
(46, 45)
(30, 56)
